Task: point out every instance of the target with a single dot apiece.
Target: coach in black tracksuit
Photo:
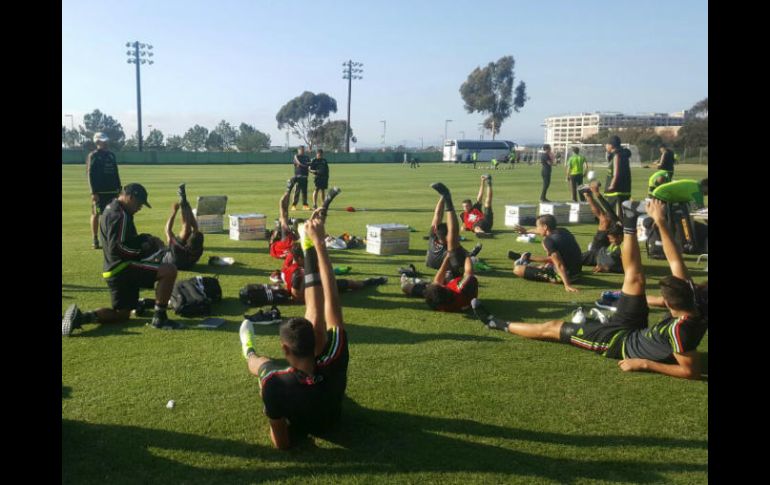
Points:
(546, 159)
(104, 180)
(125, 269)
(301, 168)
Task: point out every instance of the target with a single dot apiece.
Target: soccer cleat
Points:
(181, 192)
(165, 324)
(476, 250)
(480, 265)
(376, 281)
(293, 207)
(333, 192)
(524, 259)
(410, 272)
(246, 334)
(72, 319)
(584, 189)
(440, 188)
(595, 314)
(305, 207)
(513, 255)
(487, 318)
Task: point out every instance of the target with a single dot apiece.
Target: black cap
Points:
(138, 191)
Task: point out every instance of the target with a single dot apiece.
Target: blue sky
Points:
(242, 60)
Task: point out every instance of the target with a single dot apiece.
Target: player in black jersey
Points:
(305, 396)
(669, 347)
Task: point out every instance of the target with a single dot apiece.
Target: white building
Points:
(560, 131)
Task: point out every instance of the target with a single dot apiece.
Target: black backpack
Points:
(193, 297)
(260, 295)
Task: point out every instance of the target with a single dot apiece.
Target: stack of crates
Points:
(557, 209)
(520, 215)
(580, 212)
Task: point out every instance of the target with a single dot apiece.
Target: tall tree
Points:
(228, 133)
(214, 142)
(154, 140)
(305, 113)
(132, 144)
(250, 139)
(194, 140)
(174, 143)
(98, 121)
(490, 91)
(331, 135)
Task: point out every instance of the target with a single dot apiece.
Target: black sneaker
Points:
(410, 272)
(96, 244)
(476, 250)
(376, 281)
(524, 259)
(513, 255)
(181, 192)
(584, 189)
(487, 318)
(73, 318)
(333, 192)
(264, 318)
(165, 324)
(631, 210)
(440, 188)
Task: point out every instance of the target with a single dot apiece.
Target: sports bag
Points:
(193, 297)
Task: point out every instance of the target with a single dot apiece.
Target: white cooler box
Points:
(580, 212)
(557, 209)
(247, 227)
(385, 239)
(209, 223)
(210, 213)
(522, 214)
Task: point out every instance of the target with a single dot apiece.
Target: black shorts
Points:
(608, 339)
(124, 287)
(486, 223)
(104, 199)
(615, 201)
(322, 183)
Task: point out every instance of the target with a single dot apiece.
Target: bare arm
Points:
(558, 263)
(170, 223)
(687, 367)
(440, 277)
(279, 433)
(656, 209)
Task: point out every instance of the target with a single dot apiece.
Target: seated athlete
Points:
(457, 294)
(564, 261)
(186, 249)
(604, 253)
(437, 245)
(473, 219)
(669, 347)
(305, 396)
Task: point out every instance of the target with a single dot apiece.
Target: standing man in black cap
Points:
(125, 269)
(104, 180)
(618, 187)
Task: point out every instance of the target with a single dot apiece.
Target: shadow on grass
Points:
(372, 442)
(395, 209)
(225, 251)
(68, 287)
(366, 334)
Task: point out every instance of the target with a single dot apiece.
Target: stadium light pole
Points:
(384, 127)
(140, 55)
(446, 124)
(352, 71)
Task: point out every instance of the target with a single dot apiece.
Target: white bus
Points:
(460, 151)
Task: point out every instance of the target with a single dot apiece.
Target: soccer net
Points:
(596, 154)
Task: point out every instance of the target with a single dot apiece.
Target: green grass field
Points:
(432, 397)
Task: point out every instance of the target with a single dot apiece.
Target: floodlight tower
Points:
(139, 56)
(352, 71)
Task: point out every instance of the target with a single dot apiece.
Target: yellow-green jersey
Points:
(576, 164)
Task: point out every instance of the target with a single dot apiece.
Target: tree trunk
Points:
(493, 129)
